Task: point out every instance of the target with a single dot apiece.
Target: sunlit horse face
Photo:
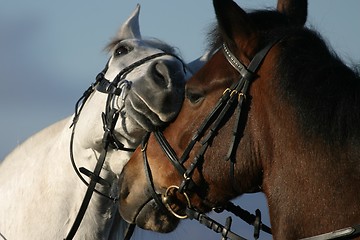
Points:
(156, 89)
(245, 34)
(153, 90)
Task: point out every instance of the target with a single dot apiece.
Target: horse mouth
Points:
(151, 217)
(142, 114)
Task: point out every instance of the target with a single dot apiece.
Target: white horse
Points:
(40, 192)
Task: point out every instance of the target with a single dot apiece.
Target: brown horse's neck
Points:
(311, 185)
(310, 198)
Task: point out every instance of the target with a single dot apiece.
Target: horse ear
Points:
(295, 10)
(131, 28)
(198, 63)
(234, 23)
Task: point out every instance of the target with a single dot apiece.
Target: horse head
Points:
(282, 116)
(147, 78)
(221, 145)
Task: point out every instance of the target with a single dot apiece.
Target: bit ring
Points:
(167, 205)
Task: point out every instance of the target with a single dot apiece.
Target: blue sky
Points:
(50, 51)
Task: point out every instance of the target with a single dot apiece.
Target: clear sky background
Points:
(50, 51)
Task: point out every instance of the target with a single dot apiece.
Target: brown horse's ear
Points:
(233, 22)
(295, 10)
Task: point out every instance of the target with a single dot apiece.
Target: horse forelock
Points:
(263, 20)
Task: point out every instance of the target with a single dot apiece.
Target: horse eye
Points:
(122, 50)
(194, 97)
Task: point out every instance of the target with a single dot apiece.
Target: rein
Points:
(235, 94)
(117, 87)
(345, 233)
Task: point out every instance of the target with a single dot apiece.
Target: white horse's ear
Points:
(198, 63)
(131, 28)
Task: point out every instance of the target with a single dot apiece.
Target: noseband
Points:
(116, 88)
(235, 94)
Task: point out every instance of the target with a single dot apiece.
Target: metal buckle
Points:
(166, 199)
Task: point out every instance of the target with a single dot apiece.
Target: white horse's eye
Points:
(122, 50)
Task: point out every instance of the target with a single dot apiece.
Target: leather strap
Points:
(345, 233)
(205, 220)
(105, 86)
(2, 236)
(212, 124)
(109, 121)
(90, 190)
(129, 231)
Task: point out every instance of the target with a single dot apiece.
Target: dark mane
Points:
(325, 91)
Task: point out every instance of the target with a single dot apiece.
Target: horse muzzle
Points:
(137, 206)
(157, 97)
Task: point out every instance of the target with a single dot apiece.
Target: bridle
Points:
(236, 94)
(116, 88)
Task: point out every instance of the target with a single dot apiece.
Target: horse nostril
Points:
(161, 74)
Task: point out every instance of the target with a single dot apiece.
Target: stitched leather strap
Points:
(345, 233)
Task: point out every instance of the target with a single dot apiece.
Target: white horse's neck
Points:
(89, 133)
(90, 129)
(87, 148)
(52, 205)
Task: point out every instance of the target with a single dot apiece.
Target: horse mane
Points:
(324, 91)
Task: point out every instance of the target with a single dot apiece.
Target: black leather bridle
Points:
(109, 118)
(236, 94)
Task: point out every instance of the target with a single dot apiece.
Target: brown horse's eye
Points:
(193, 96)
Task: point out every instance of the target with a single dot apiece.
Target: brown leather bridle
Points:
(235, 94)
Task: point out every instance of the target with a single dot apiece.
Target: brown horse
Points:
(289, 128)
